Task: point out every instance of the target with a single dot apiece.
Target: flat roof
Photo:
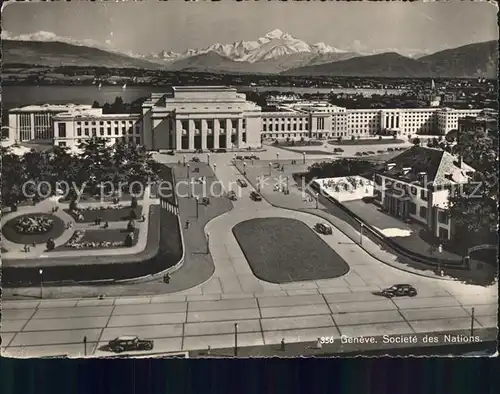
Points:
(51, 107)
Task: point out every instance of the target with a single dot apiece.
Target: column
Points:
(191, 134)
(240, 132)
(178, 135)
(204, 134)
(216, 133)
(32, 126)
(229, 133)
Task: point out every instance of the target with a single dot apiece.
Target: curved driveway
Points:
(265, 312)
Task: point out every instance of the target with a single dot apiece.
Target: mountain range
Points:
(276, 52)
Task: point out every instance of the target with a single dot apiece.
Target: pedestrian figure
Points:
(166, 278)
(33, 244)
(106, 224)
(187, 223)
(26, 248)
(282, 344)
(209, 350)
(143, 218)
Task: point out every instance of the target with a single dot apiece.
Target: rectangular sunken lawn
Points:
(108, 215)
(110, 235)
(281, 250)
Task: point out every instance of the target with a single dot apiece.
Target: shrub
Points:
(129, 240)
(339, 139)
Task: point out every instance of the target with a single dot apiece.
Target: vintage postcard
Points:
(249, 179)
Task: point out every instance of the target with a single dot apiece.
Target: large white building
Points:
(35, 122)
(330, 121)
(75, 126)
(191, 118)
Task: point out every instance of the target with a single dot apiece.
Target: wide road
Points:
(205, 315)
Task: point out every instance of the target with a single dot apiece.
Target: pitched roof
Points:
(435, 163)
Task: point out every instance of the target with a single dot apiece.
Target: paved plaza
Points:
(204, 315)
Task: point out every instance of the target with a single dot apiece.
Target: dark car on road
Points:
(241, 183)
(254, 157)
(129, 343)
(399, 291)
(221, 150)
(195, 159)
(239, 157)
(231, 195)
(323, 228)
(255, 196)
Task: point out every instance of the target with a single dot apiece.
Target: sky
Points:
(175, 25)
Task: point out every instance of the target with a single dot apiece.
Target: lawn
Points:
(371, 141)
(10, 232)
(297, 143)
(107, 215)
(109, 235)
(286, 250)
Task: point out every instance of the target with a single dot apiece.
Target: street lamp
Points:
(85, 346)
(317, 198)
(361, 234)
(215, 166)
(244, 168)
(440, 250)
(304, 157)
(287, 184)
(208, 158)
(184, 160)
(270, 168)
(41, 282)
(235, 339)
(187, 172)
(258, 183)
(197, 205)
(208, 245)
(277, 156)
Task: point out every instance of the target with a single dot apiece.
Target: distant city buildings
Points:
(190, 118)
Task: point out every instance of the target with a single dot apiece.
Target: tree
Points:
(13, 178)
(473, 206)
(416, 141)
(96, 164)
(96, 104)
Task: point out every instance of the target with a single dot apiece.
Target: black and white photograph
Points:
(249, 179)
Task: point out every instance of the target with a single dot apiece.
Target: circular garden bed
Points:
(36, 227)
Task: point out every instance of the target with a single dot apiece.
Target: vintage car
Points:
(232, 195)
(255, 196)
(129, 343)
(323, 228)
(241, 183)
(399, 291)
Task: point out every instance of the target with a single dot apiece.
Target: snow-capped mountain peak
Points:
(272, 45)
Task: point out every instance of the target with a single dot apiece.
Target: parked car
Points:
(358, 154)
(399, 291)
(195, 159)
(198, 151)
(241, 183)
(323, 228)
(390, 149)
(255, 196)
(171, 153)
(231, 195)
(239, 157)
(205, 201)
(221, 150)
(340, 150)
(254, 157)
(128, 343)
(248, 157)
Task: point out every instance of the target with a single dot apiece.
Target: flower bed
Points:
(37, 228)
(34, 224)
(97, 239)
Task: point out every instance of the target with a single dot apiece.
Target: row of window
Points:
(223, 124)
(281, 127)
(101, 122)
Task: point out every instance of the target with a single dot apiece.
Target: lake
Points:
(16, 96)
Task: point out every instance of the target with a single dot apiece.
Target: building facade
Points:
(192, 118)
(73, 127)
(35, 122)
(416, 185)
